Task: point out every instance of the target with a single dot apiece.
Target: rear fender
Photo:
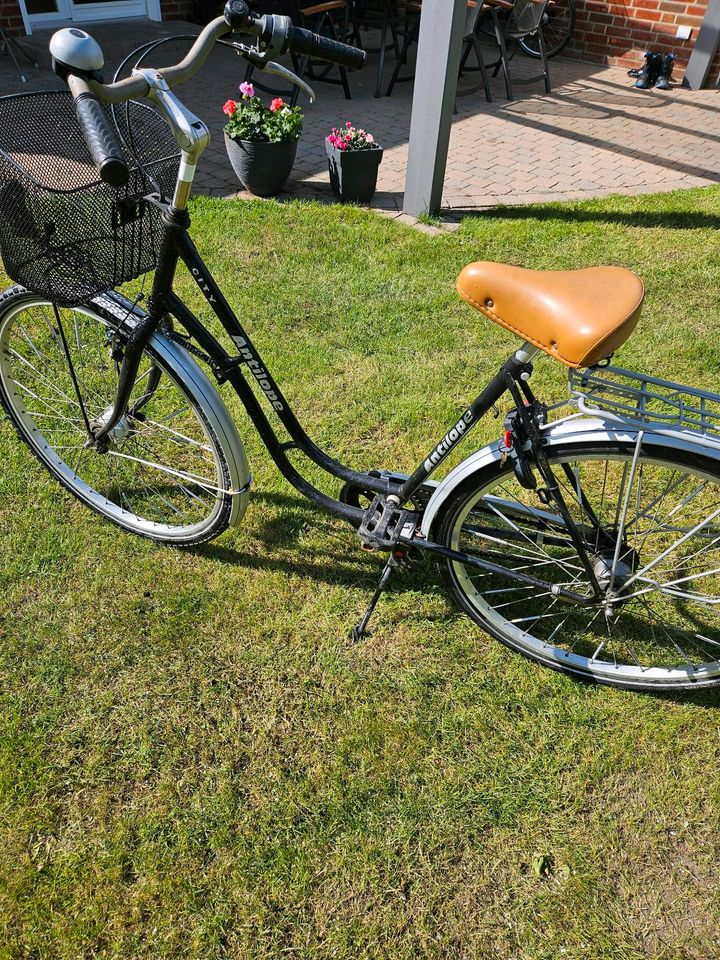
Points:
(574, 429)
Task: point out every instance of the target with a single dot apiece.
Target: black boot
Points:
(666, 66)
(650, 72)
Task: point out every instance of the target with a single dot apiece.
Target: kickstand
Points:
(359, 631)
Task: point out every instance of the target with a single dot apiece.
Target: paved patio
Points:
(594, 135)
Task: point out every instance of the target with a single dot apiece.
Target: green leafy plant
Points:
(250, 119)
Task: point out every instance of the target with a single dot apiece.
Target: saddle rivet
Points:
(489, 303)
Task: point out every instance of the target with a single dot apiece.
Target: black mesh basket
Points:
(64, 234)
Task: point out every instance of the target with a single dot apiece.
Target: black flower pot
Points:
(261, 167)
(353, 173)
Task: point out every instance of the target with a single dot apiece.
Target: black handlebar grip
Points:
(308, 44)
(101, 140)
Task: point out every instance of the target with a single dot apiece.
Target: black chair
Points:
(391, 19)
(330, 19)
(471, 44)
(512, 22)
(411, 31)
(10, 45)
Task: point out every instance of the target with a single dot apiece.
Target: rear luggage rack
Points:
(650, 402)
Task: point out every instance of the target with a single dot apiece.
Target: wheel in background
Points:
(558, 24)
(660, 626)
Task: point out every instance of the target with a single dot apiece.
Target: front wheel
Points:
(651, 525)
(174, 469)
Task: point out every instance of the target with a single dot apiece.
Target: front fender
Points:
(574, 429)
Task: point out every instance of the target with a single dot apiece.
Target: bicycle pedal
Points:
(385, 523)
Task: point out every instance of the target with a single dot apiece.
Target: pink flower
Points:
(348, 124)
(341, 145)
(229, 107)
(247, 89)
(370, 138)
(277, 104)
(332, 140)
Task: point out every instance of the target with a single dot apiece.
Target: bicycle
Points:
(558, 24)
(586, 540)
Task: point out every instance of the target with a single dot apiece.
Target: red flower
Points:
(277, 104)
(229, 107)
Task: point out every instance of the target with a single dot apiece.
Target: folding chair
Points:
(512, 22)
(471, 44)
(411, 32)
(323, 18)
(9, 45)
(387, 16)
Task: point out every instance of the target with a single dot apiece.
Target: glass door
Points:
(49, 12)
(87, 10)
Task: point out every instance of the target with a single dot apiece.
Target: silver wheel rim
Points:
(163, 475)
(672, 521)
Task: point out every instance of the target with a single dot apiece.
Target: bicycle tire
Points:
(173, 473)
(558, 27)
(574, 648)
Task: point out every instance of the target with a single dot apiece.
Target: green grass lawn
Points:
(196, 762)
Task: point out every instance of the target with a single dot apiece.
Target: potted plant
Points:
(353, 159)
(261, 141)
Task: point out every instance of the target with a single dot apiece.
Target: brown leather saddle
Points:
(577, 316)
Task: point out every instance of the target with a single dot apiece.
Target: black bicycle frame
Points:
(229, 368)
(178, 245)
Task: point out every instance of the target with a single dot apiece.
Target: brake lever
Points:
(260, 62)
(280, 71)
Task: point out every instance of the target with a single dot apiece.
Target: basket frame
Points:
(645, 401)
(63, 172)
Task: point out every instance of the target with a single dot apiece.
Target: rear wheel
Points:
(557, 27)
(167, 472)
(652, 528)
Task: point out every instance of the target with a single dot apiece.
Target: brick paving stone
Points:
(593, 135)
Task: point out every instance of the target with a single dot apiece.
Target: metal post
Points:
(436, 74)
(705, 47)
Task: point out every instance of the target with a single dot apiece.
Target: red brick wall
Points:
(176, 9)
(618, 31)
(11, 17)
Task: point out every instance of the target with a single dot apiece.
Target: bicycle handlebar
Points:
(275, 35)
(237, 17)
(99, 134)
(308, 44)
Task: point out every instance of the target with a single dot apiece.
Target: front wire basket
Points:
(64, 234)
(645, 401)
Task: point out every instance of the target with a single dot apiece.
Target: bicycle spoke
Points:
(652, 529)
(160, 467)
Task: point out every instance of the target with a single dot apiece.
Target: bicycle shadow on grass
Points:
(350, 566)
(643, 219)
(338, 561)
